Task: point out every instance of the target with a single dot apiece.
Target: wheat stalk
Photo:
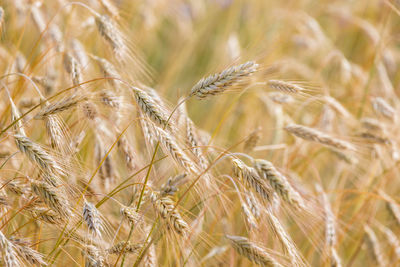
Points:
(384, 108)
(250, 218)
(392, 206)
(372, 124)
(128, 152)
(392, 239)
(285, 87)
(92, 218)
(150, 107)
(38, 155)
(124, 247)
(1, 17)
(54, 130)
(284, 238)
(94, 257)
(250, 176)
(171, 186)
(166, 208)
(150, 260)
(251, 251)
(109, 31)
(37, 18)
(335, 259)
(28, 254)
(252, 140)
(253, 204)
(174, 150)
(374, 244)
(46, 215)
(62, 105)
(9, 252)
(218, 83)
(314, 135)
(107, 68)
(73, 68)
(108, 98)
(53, 197)
(131, 215)
(330, 229)
(279, 182)
(78, 51)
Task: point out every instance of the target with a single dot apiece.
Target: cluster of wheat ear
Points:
(199, 133)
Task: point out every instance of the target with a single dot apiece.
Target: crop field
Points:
(199, 133)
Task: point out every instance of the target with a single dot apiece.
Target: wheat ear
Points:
(279, 182)
(218, 83)
(251, 251)
(314, 135)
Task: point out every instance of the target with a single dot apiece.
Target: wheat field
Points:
(199, 133)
